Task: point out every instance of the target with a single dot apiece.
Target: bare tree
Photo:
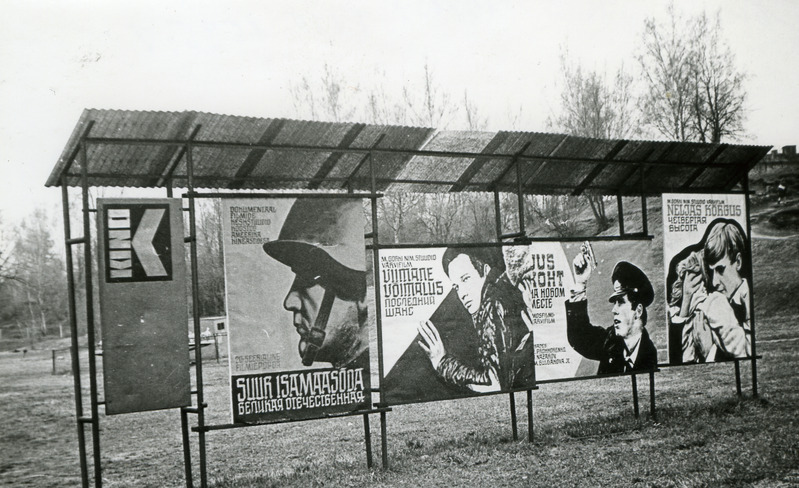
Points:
(330, 99)
(555, 213)
(592, 106)
(39, 275)
(383, 109)
(439, 216)
(665, 63)
(6, 250)
(474, 119)
(429, 105)
(394, 210)
(479, 216)
(693, 90)
(719, 94)
(210, 262)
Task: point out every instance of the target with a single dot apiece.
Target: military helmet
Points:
(322, 238)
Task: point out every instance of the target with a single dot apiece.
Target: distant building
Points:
(776, 161)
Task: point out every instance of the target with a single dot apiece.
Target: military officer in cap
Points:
(625, 346)
(322, 242)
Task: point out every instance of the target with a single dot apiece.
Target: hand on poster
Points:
(692, 283)
(733, 340)
(431, 342)
(493, 386)
(582, 265)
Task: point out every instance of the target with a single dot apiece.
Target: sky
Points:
(242, 58)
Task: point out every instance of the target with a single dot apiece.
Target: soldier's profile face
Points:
(303, 300)
(623, 316)
(466, 282)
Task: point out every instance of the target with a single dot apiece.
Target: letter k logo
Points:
(143, 242)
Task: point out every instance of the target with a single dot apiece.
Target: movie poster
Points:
(296, 302)
(707, 271)
(610, 310)
(458, 322)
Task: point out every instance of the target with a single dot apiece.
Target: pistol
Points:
(588, 254)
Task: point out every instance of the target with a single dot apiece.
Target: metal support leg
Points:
(652, 410)
(635, 395)
(530, 437)
(383, 442)
(367, 438)
(738, 378)
(74, 349)
(514, 426)
(754, 373)
(184, 428)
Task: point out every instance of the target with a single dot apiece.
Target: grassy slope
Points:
(585, 433)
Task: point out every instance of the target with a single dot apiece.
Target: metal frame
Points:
(167, 178)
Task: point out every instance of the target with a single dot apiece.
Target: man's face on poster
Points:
(726, 275)
(304, 300)
(467, 281)
(623, 316)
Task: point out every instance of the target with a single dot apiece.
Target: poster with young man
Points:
(462, 321)
(296, 303)
(707, 272)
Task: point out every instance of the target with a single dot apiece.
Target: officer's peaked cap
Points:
(628, 279)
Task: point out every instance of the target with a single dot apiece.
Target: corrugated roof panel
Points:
(388, 165)
(560, 163)
(423, 168)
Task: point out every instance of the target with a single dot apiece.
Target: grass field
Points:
(585, 431)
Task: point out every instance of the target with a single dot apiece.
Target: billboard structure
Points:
(142, 284)
(247, 159)
(296, 304)
(708, 275)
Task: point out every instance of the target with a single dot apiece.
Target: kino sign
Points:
(143, 305)
(138, 238)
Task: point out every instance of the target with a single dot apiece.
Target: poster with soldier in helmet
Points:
(296, 302)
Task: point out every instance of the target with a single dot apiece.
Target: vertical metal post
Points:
(737, 378)
(652, 411)
(635, 395)
(644, 223)
(87, 257)
(530, 430)
(376, 266)
(383, 442)
(520, 196)
(751, 286)
(378, 308)
(497, 215)
(367, 438)
(184, 429)
(195, 307)
(216, 347)
(514, 426)
(620, 206)
(73, 330)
